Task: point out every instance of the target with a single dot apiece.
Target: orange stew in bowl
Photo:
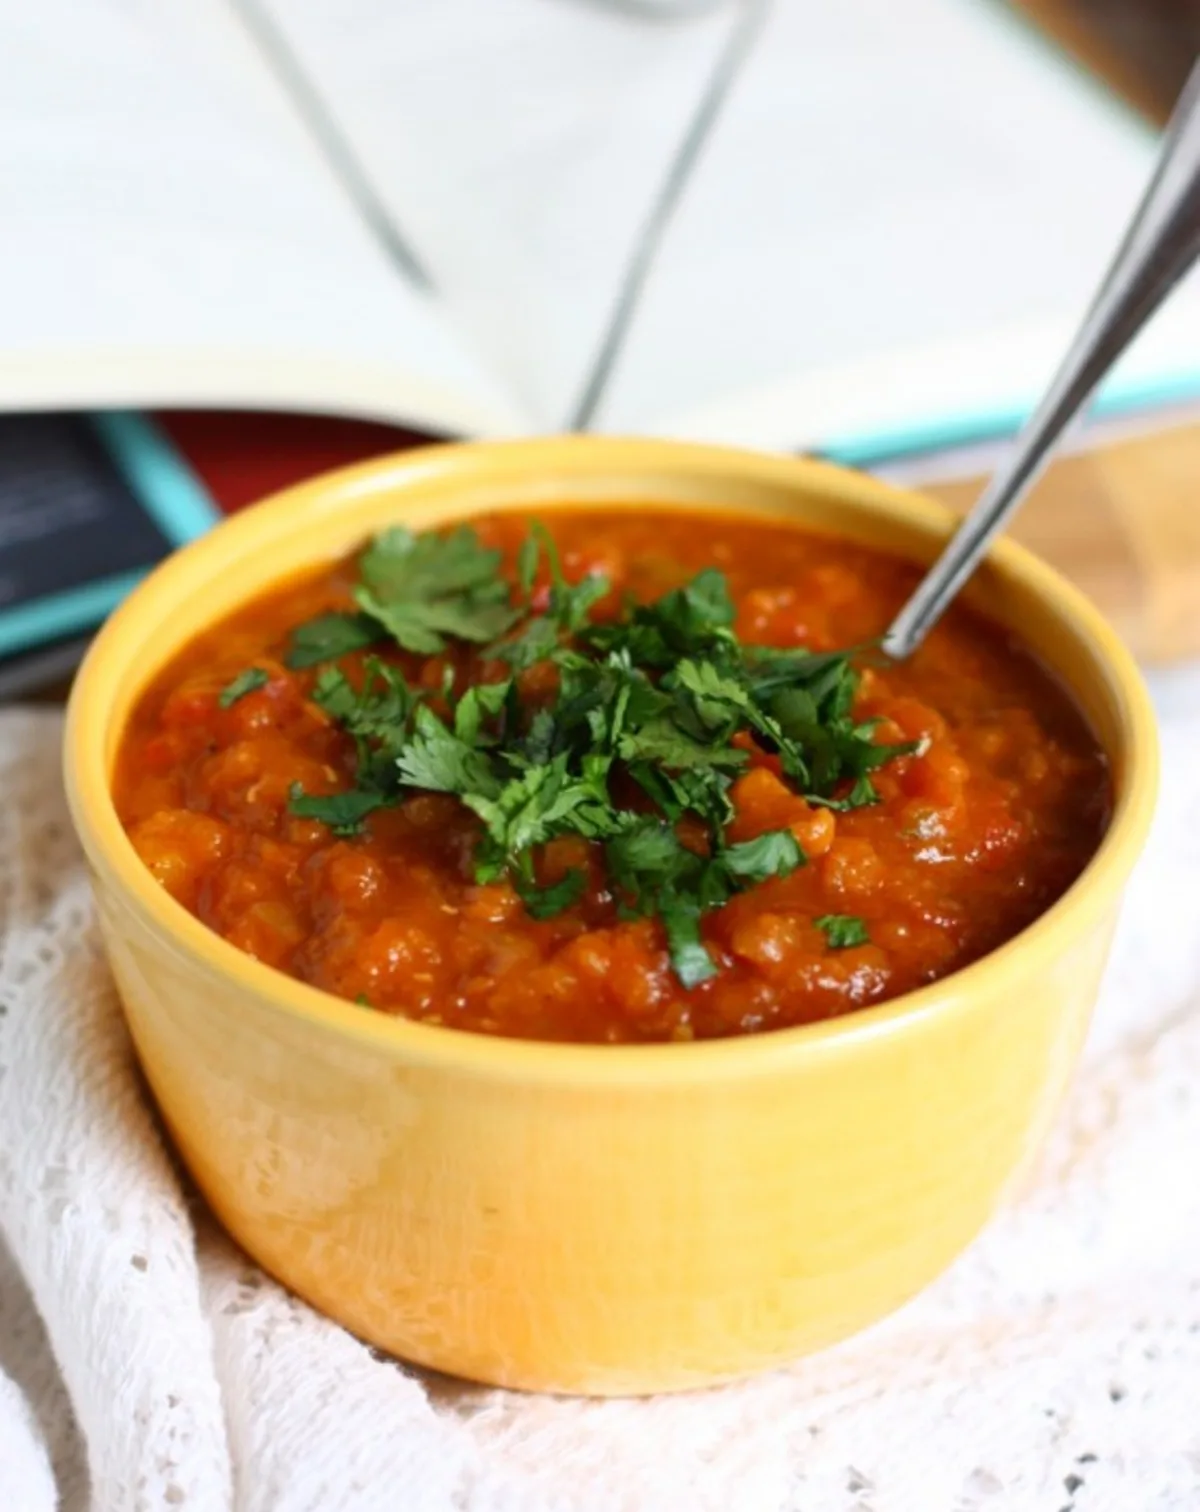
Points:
(614, 777)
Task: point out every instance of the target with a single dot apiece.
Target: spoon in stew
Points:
(1162, 242)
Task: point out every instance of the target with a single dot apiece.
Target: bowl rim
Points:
(113, 858)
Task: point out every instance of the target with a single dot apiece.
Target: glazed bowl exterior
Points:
(596, 1219)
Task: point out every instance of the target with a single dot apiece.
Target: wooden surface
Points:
(1142, 48)
(1123, 521)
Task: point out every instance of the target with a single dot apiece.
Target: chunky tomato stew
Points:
(617, 776)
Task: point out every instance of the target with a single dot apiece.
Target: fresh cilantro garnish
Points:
(842, 931)
(644, 720)
(655, 873)
(567, 609)
(427, 589)
(478, 705)
(342, 812)
(245, 682)
(541, 804)
(569, 602)
(680, 915)
(545, 902)
(378, 715)
(771, 855)
(438, 760)
(689, 621)
(329, 636)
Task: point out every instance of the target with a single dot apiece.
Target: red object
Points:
(242, 457)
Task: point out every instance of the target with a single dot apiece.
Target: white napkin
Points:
(146, 1364)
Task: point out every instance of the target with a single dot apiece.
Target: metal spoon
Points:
(1160, 245)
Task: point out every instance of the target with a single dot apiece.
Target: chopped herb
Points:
(772, 855)
(842, 931)
(680, 914)
(569, 602)
(567, 609)
(329, 636)
(245, 682)
(648, 717)
(427, 589)
(542, 803)
(689, 621)
(476, 707)
(438, 760)
(545, 902)
(342, 812)
(527, 564)
(655, 873)
(379, 717)
(362, 1000)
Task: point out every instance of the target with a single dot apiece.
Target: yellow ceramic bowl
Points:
(587, 1218)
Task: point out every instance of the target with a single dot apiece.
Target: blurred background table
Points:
(1143, 48)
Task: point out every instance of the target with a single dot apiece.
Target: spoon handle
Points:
(1160, 245)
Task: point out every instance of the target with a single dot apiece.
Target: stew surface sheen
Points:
(974, 836)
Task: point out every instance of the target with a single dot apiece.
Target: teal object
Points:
(1114, 401)
(169, 493)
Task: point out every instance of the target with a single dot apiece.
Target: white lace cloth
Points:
(145, 1364)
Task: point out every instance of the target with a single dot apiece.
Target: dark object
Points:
(1143, 49)
(67, 516)
(46, 670)
(75, 535)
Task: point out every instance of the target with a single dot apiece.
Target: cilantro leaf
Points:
(690, 959)
(536, 746)
(697, 613)
(427, 589)
(245, 682)
(377, 716)
(690, 621)
(335, 694)
(436, 759)
(329, 636)
(569, 602)
(477, 705)
(843, 931)
(775, 854)
(527, 563)
(771, 668)
(662, 741)
(646, 720)
(384, 702)
(643, 852)
(426, 625)
(398, 563)
(861, 795)
(342, 812)
(716, 699)
(566, 613)
(535, 642)
(703, 791)
(657, 874)
(538, 805)
(545, 902)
